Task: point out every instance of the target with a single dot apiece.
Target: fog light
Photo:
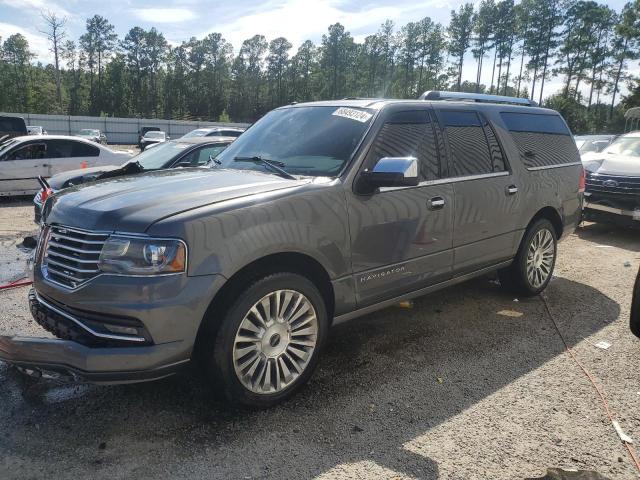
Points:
(122, 330)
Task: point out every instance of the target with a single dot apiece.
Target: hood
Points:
(133, 203)
(612, 164)
(82, 175)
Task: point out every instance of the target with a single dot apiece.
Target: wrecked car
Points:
(612, 192)
(319, 213)
(190, 152)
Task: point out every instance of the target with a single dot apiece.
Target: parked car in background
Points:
(143, 131)
(635, 308)
(320, 213)
(188, 152)
(93, 134)
(24, 159)
(36, 130)
(593, 143)
(12, 127)
(215, 132)
(612, 191)
(153, 138)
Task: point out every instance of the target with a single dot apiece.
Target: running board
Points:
(345, 317)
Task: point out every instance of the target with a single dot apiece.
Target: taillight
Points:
(583, 181)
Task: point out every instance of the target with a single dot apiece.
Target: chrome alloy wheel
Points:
(540, 258)
(275, 341)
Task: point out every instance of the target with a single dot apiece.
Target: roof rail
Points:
(475, 97)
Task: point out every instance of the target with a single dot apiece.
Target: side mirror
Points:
(389, 172)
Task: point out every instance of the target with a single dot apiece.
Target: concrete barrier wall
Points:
(122, 131)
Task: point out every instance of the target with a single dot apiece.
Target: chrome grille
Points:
(602, 183)
(71, 256)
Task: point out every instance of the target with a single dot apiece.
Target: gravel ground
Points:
(468, 384)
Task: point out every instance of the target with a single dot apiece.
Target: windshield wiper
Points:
(272, 164)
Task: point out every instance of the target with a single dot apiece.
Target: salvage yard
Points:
(470, 383)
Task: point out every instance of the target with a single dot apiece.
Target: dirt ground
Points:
(468, 384)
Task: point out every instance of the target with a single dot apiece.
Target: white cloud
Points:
(299, 20)
(164, 15)
(38, 44)
(37, 6)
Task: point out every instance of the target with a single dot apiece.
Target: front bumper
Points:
(67, 360)
(622, 215)
(164, 312)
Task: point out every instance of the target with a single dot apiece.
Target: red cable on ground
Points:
(610, 413)
(21, 282)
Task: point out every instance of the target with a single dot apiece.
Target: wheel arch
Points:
(551, 214)
(292, 262)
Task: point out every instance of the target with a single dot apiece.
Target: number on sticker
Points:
(353, 114)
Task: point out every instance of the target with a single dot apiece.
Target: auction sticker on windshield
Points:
(353, 114)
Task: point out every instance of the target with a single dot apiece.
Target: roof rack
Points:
(476, 97)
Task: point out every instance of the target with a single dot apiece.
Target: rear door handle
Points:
(436, 203)
(512, 190)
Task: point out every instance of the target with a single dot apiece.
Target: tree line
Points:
(586, 44)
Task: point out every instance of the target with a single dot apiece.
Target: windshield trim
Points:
(356, 151)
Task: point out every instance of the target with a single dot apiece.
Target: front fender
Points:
(222, 239)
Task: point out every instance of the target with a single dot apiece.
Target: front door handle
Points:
(512, 190)
(436, 203)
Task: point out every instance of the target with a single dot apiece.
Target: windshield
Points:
(201, 132)
(315, 141)
(629, 146)
(88, 131)
(158, 157)
(7, 144)
(154, 135)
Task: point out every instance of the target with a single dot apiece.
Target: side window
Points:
(473, 144)
(81, 149)
(497, 156)
(543, 140)
(408, 134)
(32, 151)
(207, 153)
(230, 133)
(59, 148)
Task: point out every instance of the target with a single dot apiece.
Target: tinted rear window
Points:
(543, 140)
(526, 122)
(12, 124)
(474, 148)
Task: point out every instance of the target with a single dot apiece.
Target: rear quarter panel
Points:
(555, 187)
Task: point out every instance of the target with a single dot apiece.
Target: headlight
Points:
(592, 165)
(142, 256)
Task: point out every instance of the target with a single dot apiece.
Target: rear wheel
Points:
(532, 269)
(269, 341)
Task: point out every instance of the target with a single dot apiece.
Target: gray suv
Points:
(319, 213)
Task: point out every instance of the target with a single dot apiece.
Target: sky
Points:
(178, 20)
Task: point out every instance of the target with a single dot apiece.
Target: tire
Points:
(532, 268)
(260, 363)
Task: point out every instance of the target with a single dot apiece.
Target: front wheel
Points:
(270, 339)
(532, 269)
